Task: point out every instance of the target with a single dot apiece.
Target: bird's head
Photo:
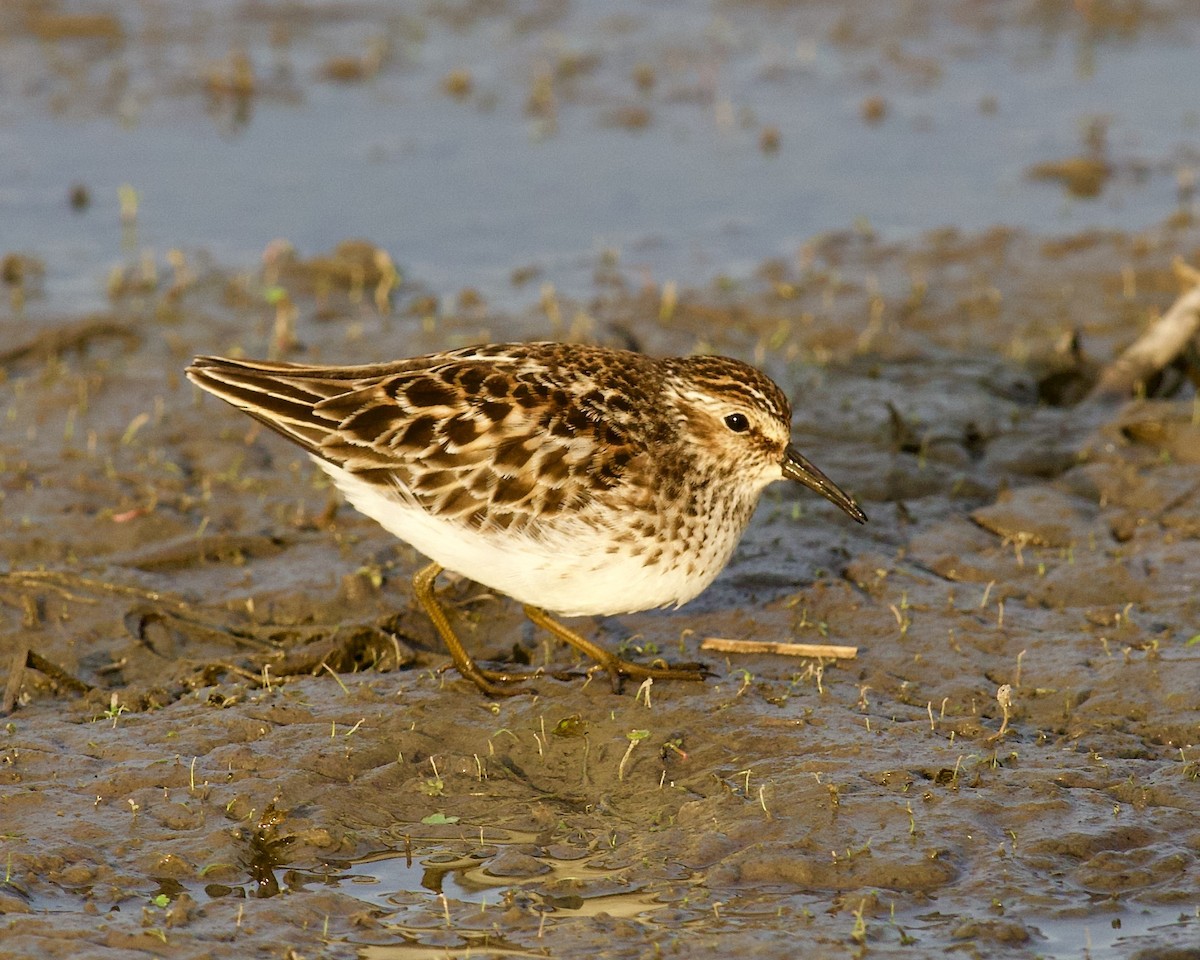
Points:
(739, 423)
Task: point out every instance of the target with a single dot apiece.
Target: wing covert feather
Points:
(496, 436)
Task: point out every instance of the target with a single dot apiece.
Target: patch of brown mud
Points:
(219, 791)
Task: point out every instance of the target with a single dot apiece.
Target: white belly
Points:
(569, 571)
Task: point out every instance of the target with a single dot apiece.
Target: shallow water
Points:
(672, 177)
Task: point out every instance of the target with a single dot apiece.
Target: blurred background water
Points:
(680, 141)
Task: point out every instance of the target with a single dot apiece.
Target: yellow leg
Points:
(483, 679)
(614, 665)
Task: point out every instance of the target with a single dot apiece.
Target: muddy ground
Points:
(270, 756)
(228, 732)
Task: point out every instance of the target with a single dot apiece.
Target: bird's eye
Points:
(737, 422)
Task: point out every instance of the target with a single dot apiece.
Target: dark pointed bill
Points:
(797, 467)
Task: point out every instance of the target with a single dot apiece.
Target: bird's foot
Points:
(619, 668)
(489, 681)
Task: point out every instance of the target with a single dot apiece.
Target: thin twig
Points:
(56, 673)
(829, 651)
(16, 676)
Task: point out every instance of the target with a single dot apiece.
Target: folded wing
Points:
(484, 438)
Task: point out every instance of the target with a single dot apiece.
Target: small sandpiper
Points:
(575, 479)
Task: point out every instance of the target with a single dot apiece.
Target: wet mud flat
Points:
(229, 733)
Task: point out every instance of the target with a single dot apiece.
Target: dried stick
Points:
(16, 676)
(1157, 346)
(26, 659)
(829, 651)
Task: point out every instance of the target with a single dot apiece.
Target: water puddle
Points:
(575, 881)
(453, 893)
(1112, 936)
